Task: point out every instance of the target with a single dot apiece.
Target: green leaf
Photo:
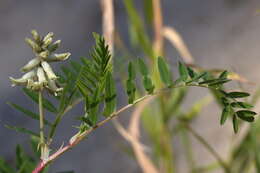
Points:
(110, 95)
(67, 72)
(76, 66)
(225, 113)
(184, 74)
(46, 103)
(131, 71)
(34, 145)
(130, 88)
(224, 101)
(5, 168)
(246, 113)
(22, 130)
(27, 112)
(237, 94)
(86, 120)
(241, 105)
(246, 118)
(148, 85)
(148, 9)
(235, 123)
(138, 34)
(142, 67)
(191, 72)
(164, 71)
(213, 82)
(219, 82)
(223, 75)
(199, 76)
(19, 156)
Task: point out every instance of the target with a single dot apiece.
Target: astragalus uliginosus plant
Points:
(91, 81)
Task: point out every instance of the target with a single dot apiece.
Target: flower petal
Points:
(48, 70)
(31, 64)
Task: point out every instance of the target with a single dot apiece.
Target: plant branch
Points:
(81, 135)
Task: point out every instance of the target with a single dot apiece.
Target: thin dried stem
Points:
(108, 23)
(158, 27)
(132, 135)
(175, 38)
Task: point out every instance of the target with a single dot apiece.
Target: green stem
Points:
(41, 113)
(209, 148)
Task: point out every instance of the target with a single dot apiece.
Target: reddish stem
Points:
(40, 167)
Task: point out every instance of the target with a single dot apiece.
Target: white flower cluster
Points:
(38, 73)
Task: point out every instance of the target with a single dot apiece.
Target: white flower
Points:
(39, 72)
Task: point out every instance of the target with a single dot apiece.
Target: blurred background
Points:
(219, 33)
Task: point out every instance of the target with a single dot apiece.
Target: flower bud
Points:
(48, 36)
(31, 64)
(61, 56)
(24, 79)
(48, 70)
(36, 36)
(53, 87)
(29, 75)
(30, 84)
(36, 86)
(35, 47)
(41, 76)
(46, 43)
(19, 81)
(44, 54)
(58, 57)
(54, 46)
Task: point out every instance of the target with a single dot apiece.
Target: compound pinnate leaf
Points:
(22, 130)
(46, 103)
(27, 112)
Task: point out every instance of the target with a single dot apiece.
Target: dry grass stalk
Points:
(175, 38)
(108, 23)
(132, 135)
(158, 26)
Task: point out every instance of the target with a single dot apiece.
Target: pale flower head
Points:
(38, 72)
